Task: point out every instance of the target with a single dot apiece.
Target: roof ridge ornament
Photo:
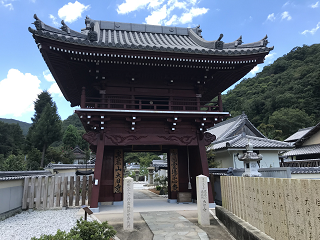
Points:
(38, 23)
(65, 27)
(198, 31)
(92, 35)
(238, 41)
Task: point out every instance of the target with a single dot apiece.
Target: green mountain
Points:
(284, 96)
(24, 126)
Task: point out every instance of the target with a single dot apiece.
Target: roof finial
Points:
(220, 37)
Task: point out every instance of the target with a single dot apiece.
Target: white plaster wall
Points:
(306, 176)
(10, 195)
(229, 159)
(314, 139)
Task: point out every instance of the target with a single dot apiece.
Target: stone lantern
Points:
(250, 159)
(151, 170)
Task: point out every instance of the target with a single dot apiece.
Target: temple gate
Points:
(142, 88)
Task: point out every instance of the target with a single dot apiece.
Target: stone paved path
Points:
(172, 226)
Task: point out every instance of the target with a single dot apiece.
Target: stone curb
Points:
(239, 228)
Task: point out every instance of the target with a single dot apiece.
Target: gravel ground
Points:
(33, 224)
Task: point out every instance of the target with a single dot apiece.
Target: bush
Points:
(83, 230)
(158, 188)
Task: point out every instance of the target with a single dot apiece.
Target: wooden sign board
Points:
(174, 171)
(118, 171)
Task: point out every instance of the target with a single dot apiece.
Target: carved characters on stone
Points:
(92, 35)
(118, 171)
(174, 171)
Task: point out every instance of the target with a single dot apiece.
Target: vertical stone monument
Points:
(128, 204)
(250, 159)
(203, 200)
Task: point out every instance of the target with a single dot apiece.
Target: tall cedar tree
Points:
(11, 139)
(47, 129)
(43, 99)
(71, 137)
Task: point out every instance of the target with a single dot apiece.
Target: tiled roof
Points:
(294, 137)
(159, 163)
(241, 140)
(16, 175)
(218, 171)
(69, 166)
(305, 170)
(147, 37)
(311, 149)
(232, 126)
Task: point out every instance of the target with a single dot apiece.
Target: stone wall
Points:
(280, 207)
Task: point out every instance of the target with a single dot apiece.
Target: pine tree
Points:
(71, 137)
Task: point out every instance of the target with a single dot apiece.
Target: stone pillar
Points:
(137, 175)
(202, 200)
(151, 170)
(128, 204)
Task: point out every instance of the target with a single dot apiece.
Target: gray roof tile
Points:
(311, 149)
(149, 37)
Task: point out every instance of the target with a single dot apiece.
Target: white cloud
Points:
(270, 57)
(133, 5)
(286, 15)
(54, 20)
(315, 5)
(25, 86)
(287, 3)
(312, 31)
(194, 12)
(48, 76)
(157, 16)
(254, 70)
(161, 10)
(271, 17)
(72, 11)
(7, 5)
(54, 89)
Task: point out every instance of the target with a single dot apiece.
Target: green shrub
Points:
(158, 188)
(84, 230)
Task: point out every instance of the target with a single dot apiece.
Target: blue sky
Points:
(24, 74)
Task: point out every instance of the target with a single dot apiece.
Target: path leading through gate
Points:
(155, 218)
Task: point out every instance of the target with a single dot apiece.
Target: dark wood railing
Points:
(144, 103)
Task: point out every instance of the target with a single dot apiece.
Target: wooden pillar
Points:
(83, 98)
(204, 165)
(220, 102)
(97, 174)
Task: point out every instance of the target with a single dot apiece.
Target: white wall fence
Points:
(56, 192)
(282, 208)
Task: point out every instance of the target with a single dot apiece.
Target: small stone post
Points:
(203, 200)
(151, 169)
(128, 204)
(137, 175)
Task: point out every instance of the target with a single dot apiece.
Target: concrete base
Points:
(119, 203)
(239, 228)
(10, 213)
(212, 205)
(172, 200)
(95, 210)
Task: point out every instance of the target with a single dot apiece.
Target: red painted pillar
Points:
(204, 165)
(97, 174)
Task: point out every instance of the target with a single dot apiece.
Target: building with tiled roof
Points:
(307, 148)
(233, 135)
